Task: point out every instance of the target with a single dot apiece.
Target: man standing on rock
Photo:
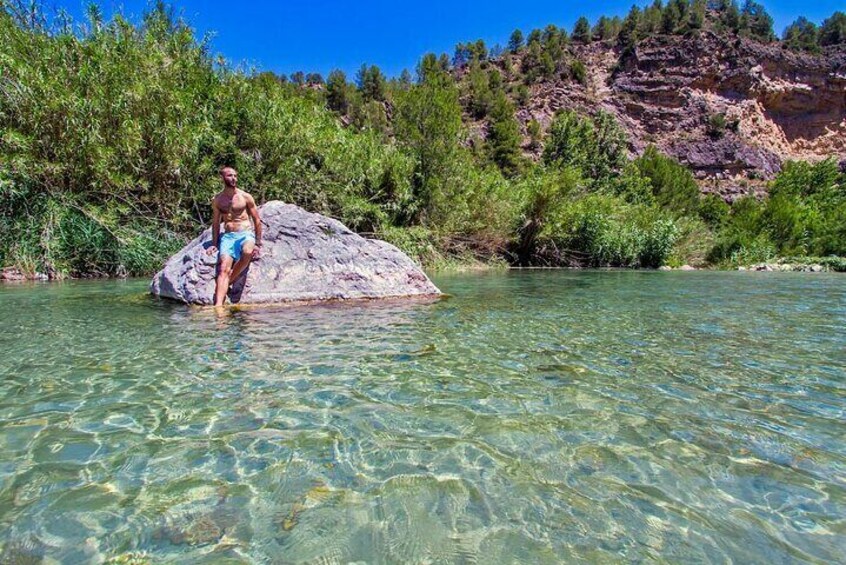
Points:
(241, 239)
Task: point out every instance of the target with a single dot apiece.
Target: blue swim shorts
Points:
(231, 242)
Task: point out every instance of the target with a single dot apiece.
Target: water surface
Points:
(533, 417)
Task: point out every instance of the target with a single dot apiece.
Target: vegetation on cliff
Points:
(111, 135)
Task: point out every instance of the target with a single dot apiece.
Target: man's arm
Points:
(252, 210)
(215, 226)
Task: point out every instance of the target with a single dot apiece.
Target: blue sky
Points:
(321, 35)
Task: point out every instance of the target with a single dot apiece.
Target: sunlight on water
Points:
(533, 417)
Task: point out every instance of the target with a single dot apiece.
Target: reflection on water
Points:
(532, 417)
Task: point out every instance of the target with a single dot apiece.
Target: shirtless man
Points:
(241, 239)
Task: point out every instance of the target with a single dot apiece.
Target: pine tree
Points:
(755, 20)
(581, 31)
(604, 29)
(833, 30)
(534, 37)
(670, 19)
(429, 70)
(515, 42)
(696, 15)
(730, 16)
(801, 35)
(479, 91)
(629, 34)
(371, 83)
(652, 16)
(314, 79)
(461, 55)
(504, 136)
(337, 92)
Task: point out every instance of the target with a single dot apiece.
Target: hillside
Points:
(588, 148)
(730, 109)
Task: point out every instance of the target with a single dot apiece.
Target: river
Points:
(529, 417)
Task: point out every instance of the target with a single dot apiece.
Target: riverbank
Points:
(461, 265)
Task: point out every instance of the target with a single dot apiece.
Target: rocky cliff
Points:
(731, 109)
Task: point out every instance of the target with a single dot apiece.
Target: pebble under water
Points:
(530, 417)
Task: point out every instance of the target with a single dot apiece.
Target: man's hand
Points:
(211, 250)
(257, 250)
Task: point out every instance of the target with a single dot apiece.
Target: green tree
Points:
(596, 146)
(629, 33)
(337, 92)
(504, 136)
(730, 18)
(696, 15)
(430, 70)
(479, 97)
(651, 21)
(801, 35)
(578, 72)
(673, 185)
(604, 29)
(371, 83)
(533, 128)
(428, 125)
(461, 55)
(756, 21)
(671, 18)
(833, 30)
(515, 42)
(581, 31)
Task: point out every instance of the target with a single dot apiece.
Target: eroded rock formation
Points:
(733, 110)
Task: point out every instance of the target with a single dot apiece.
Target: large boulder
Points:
(306, 257)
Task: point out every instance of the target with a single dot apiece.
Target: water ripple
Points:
(538, 417)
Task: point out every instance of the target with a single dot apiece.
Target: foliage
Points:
(802, 35)
(578, 71)
(833, 30)
(596, 146)
(581, 31)
(371, 83)
(515, 42)
(112, 135)
(673, 186)
(504, 136)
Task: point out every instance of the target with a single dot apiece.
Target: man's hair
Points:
(226, 167)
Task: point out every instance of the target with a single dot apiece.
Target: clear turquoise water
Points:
(533, 417)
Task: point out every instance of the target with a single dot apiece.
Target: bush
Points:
(673, 185)
(596, 146)
(578, 72)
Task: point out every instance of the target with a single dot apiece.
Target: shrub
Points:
(596, 146)
(672, 184)
(578, 72)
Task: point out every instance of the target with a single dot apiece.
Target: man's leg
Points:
(224, 269)
(246, 257)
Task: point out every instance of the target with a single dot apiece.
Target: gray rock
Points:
(305, 257)
(665, 268)
(817, 268)
(687, 268)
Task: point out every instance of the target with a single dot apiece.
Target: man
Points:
(241, 239)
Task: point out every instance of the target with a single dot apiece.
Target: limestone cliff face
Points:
(776, 105)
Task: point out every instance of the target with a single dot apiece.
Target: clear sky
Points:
(321, 35)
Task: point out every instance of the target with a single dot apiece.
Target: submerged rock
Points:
(305, 257)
